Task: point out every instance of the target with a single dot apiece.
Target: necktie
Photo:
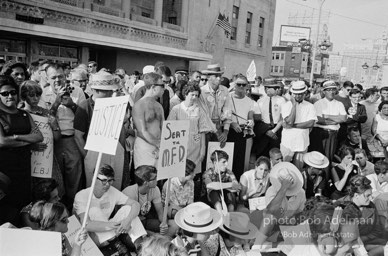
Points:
(270, 112)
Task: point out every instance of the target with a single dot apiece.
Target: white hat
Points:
(198, 218)
(238, 225)
(284, 169)
(298, 87)
(148, 69)
(213, 69)
(103, 80)
(329, 84)
(316, 159)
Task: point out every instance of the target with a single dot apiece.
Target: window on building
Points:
(100, 2)
(248, 37)
(277, 56)
(281, 68)
(260, 38)
(304, 57)
(282, 56)
(235, 12)
(276, 69)
(293, 57)
(146, 14)
(143, 8)
(249, 18)
(273, 56)
(271, 69)
(248, 28)
(233, 34)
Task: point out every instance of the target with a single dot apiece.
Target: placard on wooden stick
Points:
(173, 149)
(106, 124)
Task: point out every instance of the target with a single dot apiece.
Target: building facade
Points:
(289, 62)
(134, 33)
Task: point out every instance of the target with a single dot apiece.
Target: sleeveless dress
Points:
(16, 162)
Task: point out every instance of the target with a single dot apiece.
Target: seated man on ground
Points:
(354, 139)
(147, 194)
(275, 155)
(105, 229)
(315, 181)
(227, 186)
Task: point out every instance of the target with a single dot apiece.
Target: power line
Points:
(341, 15)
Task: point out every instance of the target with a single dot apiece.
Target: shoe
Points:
(119, 247)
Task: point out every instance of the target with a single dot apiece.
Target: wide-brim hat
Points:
(237, 224)
(283, 169)
(329, 84)
(212, 69)
(198, 218)
(316, 159)
(271, 82)
(103, 80)
(298, 87)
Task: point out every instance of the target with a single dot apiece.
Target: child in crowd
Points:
(254, 183)
(211, 178)
(181, 190)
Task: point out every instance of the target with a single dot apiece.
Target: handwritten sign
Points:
(89, 247)
(173, 149)
(15, 242)
(251, 71)
(106, 124)
(229, 149)
(42, 162)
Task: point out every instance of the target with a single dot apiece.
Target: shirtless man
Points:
(148, 118)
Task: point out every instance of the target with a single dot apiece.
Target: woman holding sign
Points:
(189, 110)
(17, 132)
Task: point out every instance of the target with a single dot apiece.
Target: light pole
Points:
(316, 41)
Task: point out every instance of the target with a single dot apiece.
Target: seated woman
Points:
(371, 230)
(221, 174)
(254, 183)
(343, 172)
(181, 190)
(44, 189)
(147, 194)
(54, 217)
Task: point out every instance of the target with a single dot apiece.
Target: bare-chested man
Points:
(148, 118)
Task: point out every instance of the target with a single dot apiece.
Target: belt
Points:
(327, 130)
(67, 136)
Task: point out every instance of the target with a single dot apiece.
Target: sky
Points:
(369, 18)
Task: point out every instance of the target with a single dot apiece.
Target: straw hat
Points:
(237, 224)
(298, 87)
(148, 69)
(271, 82)
(198, 218)
(104, 81)
(329, 84)
(212, 69)
(284, 169)
(316, 159)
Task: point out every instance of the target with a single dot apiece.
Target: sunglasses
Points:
(241, 85)
(106, 181)
(7, 93)
(204, 79)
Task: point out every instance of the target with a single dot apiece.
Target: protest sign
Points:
(89, 248)
(251, 72)
(106, 124)
(229, 149)
(173, 149)
(257, 203)
(16, 242)
(42, 162)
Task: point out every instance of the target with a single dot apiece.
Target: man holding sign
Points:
(148, 117)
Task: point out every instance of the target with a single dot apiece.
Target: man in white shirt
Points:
(298, 117)
(330, 113)
(104, 200)
(268, 132)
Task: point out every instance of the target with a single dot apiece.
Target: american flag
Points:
(223, 22)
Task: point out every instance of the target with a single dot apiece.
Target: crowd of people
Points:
(303, 155)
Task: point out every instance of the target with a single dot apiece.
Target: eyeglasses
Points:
(241, 85)
(7, 93)
(204, 79)
(106, 181)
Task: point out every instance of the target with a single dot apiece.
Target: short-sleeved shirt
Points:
(83, 116)
(254, 185)
(276, 102)
(212, 175)
(153, 194)
(180, 195)
(242, 107)
(289, 207)
(106, 203)
(326, 107)
(296, 139)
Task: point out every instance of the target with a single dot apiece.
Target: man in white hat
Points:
(102, 84)
(284, 199)
(298, 117)
(216, 101)
(148, 117)
(315, 181)
(330, 113)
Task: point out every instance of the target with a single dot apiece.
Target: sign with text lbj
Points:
(173, 149)
(106, 124)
